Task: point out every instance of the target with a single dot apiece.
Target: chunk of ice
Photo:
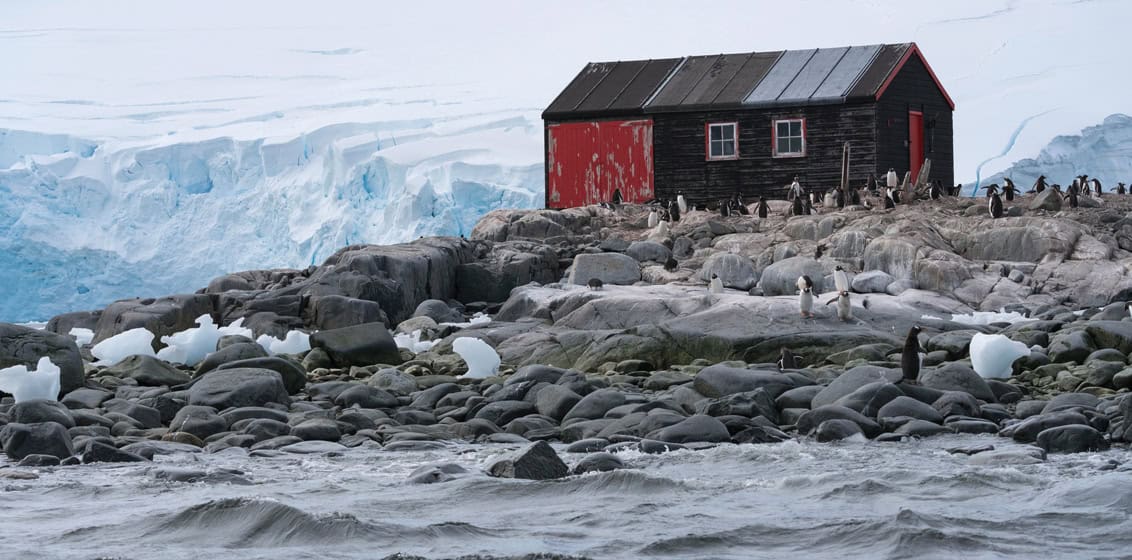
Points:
(82, 336)
(296, 342)
(413, 342)
(993, 354)
(122, 345)
(190, 346)
(24, 385)
(483, 361)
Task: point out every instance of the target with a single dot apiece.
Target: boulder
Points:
(394, 381)
(1071, 439)
(837, 429)
(160, 316)
(231, 353)
(781, 278)
(698, 428)
(749, 405)
(644, 251)
(957, 377)
(596, 404)
(610, 268)
(147, 370)
(735, 271)
(438, 311)
(598, 462)
(810, 420)
(1048, 200)
(98, 452)
(869, 399)
(293, 375)
(335, 312)
(39, 410)
(365, 396)
(912, 408)
(850, 381)
(200, 421)
(317, 429)
(359, 345)
(555, 401)
(871, 282)
(231, 388)
(536, 461)
(24, 346)
(719, 380)
(45, 438)
(1028, 429)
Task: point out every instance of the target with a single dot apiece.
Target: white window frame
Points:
(775, 138)
(709, 143)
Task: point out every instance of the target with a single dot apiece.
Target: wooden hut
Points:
(711, 126)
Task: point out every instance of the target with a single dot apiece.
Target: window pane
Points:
(728, 132)
(795, 145)
(783, 129)
(716, 133)
(795, 128)
(729, 148)
(783, 145)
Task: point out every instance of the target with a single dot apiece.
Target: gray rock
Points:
(317, 429)
(662, 380)
(956, 403)
(394, 380)
(263, 429)
(919, 428)
(438, 311)
(735, 271)
(836, 430)
(535, 372)
(869, 399)
(25, 346)
(1028, 429)
(432, 474)
(39, 410)
(556, 401)
(148, 371)
(1071, 346)
(781, 278)
(850, 381)
(98, 452)
(161, 316)
(35, 460)
(900, 286)
(999, 457)
(907, 406)
(871, 282)
(502, 412)
(596, 404)
(1071, 439)
(644, 251)
(145, 416)
(587, 445)
(610, 268)
(315, 447)
(85, 397)
(231, 388)
(293, 375)
(957, 377)
(536, 461)
(232, 353)
(973, 427)
(749, 405)
(810, 420)
(1049, 200)
(800, 397)
(598, 462)
(720, 380)
(200, 421)
(45, 438)
(364, 396)
(957, 344)
(697, 428)
(359, 345)
(1066, 401)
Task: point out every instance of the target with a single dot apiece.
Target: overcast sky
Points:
(1002, 61)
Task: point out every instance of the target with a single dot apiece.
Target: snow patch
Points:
(988, 317)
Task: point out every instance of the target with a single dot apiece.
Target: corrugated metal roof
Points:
(786, 78)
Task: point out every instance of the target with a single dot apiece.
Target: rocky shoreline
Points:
(652, 361)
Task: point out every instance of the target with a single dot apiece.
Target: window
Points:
(789, 138)
(723, 141)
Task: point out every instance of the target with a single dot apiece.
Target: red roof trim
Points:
(914, 49)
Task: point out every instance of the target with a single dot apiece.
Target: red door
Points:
(915, 142)
(586, 161)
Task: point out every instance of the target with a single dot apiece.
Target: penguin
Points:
(716, 285)
(871, 184)
(1008, 189)
(1039, 185)
(995, 206)
(764, 210)
(681, 204)
(654, 218)
(809, 208)
(1075, 186)
(674, 211)
(896, 196)
(1056, 187)
(854, 197)
(1086, 186)
(661, 230)
(991, 189)
(844, 306)
(958, 188)
(840, 279)
(1120, 189)
(806, 296)
(818, 251)
(796, 189)
(724, 208)
(891, 180)
(910, 357)
(889, 200)
(617, 197)
(1096, 186)
(740, 207)
(797, 209)
(839, 197)
(1071, 196)
(787, 360)
(670, 265)
(595, 283)
(935, 192)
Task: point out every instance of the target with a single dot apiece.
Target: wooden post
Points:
(908, 188)
(925, 171)
(845, 169)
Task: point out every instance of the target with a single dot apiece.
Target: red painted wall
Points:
(586, 161)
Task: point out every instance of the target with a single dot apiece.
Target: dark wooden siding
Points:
(914, 90)
(680, 164)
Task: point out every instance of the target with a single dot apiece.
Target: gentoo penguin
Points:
(839, 197)
(595, 283)
(991, 189)
(1071, 196)
(995, 206)
(806, 296)
(740, 206)
(854, 197)
(844, 306)
(1096, 186)
(617, 197)
(724, 208)
(681, 204)
(674, 211)
(716, 285)
(935, 191)
(787, 360)
(797, 209)
(1075, 186)
(895, 195)
(1086, 186)
(670, 265)
(840, 279)
(661, 230)
(958, 188)
(889, 199)
(1120, 189)
(1056, 187)
(1040, 184)
(1008, 189)
(818, 251)
(891, 180)
(763, 209)
(654, 218)
(910, 357)
(871, 184)
(809, 208)
(796, 190)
